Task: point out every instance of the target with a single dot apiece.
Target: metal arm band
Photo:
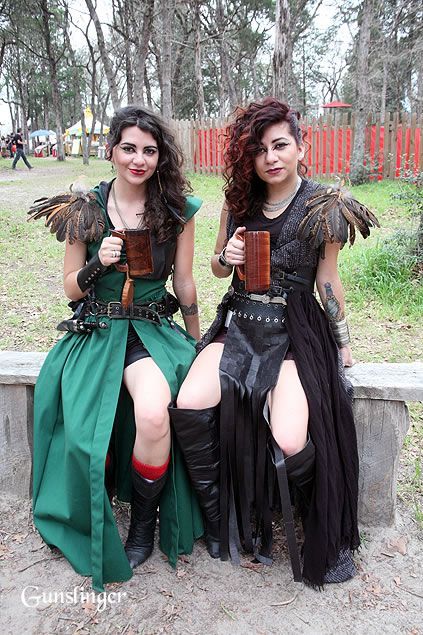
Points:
(90, 273)
(340, 332)
(222, 260)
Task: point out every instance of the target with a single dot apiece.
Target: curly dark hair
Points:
(164, 206)
(245, 192)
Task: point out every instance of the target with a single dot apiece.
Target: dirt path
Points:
(205, 596)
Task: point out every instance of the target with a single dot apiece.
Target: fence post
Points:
(376, 162)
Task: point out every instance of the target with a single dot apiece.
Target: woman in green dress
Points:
(101, 401)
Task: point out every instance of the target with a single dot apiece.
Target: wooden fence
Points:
(394, 146)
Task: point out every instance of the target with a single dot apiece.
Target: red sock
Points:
(150, 472)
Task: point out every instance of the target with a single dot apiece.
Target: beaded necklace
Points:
(275, 207)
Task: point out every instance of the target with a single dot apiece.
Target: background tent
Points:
(76, 129)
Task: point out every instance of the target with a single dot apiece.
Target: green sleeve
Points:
(193, 205)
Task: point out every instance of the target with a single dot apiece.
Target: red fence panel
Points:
(329, 147)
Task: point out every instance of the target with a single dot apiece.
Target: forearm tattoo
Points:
(331, 305)
(189, 310)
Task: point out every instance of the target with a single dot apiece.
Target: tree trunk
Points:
(282, 54)
(85, 150)
(198, 72)
(104, 102)
(142, 52)
(384, 88)
(419, 67)
(358, 171)
(54, 82)
(167, 11)
(148, 89)
(108, 69)
(226, 66)
(78, 98)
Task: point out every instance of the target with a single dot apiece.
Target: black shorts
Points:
(135, 349)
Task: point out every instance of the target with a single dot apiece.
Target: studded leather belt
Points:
(247, 307)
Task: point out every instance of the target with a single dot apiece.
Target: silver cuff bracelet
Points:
(340, 332)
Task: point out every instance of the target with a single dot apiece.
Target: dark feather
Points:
(333, 215)
(75, 216)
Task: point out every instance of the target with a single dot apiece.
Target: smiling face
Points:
(136, 156)
(277, 159)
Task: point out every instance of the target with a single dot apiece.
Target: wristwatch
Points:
(222, 260)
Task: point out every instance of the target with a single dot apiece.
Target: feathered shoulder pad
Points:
(333, 216)
(73, 216)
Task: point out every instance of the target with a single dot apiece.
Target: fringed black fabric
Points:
(332, 519)
(249, 367)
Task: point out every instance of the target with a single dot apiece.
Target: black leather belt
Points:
(150, 311)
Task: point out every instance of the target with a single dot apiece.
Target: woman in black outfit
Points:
(270, 365)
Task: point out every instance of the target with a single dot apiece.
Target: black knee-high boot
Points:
(300, 472)
(198, 437)
(145, 500)
(298, 469)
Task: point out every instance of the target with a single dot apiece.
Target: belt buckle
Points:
(111, 306)
(153, 306)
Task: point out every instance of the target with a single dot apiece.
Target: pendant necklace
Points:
(275, 207)
(120, 214)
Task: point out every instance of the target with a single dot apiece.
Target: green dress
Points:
(80, 408)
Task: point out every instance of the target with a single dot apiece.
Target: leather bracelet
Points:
(90, 273)
(222, 260)
(340, 332)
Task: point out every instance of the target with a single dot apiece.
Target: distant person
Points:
(3, 147)
(10, 145)
(20, 154)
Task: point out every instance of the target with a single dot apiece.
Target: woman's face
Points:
(136, 156)
(276, 161)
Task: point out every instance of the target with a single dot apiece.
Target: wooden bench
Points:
(381, 392)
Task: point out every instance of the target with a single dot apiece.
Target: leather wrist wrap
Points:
(90, 273)
(222, 260)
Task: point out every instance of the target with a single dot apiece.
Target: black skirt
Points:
(257, 341)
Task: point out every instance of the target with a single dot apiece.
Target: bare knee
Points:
(191, 401)
(290, 442)
(193, 396)
(152, 421)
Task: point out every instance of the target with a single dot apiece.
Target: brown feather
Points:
(333, 216)
(75, 216)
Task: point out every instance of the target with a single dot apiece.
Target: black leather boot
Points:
(198, 436)
(145, 500)
(300, 471)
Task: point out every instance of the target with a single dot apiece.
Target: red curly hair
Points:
(245, 192)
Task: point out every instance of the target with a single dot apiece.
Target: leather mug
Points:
(139, 257)
(255, 271)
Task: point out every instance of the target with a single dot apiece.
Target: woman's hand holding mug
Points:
(235, 249)
(110, 250)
